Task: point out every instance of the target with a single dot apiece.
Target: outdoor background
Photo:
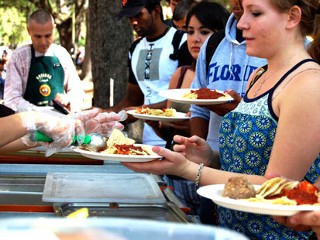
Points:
(87, 29)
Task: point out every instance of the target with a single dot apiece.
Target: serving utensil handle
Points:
(41, 137)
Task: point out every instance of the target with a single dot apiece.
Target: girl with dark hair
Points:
(203, 19)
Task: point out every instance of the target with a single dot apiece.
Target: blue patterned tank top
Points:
(246, 138)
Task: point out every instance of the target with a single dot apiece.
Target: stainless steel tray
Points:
(102, 188)
(167, 212)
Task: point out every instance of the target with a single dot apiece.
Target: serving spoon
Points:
(94, 141)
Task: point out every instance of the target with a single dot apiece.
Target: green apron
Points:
(45, 79)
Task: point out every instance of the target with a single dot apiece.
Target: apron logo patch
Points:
(45, 90)
(44, 77)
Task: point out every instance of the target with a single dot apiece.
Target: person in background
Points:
(229, 68)
(173, 4)
(180, 13)
(202, 20)
(169, 12)
(150, 62)
(42, 71)
(2, 77)
(259, 136)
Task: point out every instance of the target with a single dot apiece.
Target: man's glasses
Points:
(148, 63)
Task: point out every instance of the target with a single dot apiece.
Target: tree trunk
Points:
(86, 68)
(110, 42)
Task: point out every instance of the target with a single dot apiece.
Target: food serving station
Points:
(32, 185)
(45, 196)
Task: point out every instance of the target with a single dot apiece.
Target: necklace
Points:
(281, 67)
(261, 84)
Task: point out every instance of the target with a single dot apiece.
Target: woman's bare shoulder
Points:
(175, 78)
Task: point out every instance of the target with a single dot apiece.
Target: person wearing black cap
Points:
(152, 59)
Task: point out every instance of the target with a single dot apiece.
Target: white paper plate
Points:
(118, 157)
(179, 116)
(175, 95)
(214, 192)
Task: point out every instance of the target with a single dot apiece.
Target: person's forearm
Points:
(215, 161)
(199, 127)
(212, 176)
(14, 146)
(158, 105)
(11, 128)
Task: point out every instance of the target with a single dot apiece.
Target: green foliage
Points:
(13, 21)
(12, 27)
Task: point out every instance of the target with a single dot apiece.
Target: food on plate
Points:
(127, 149)
(167, 112)
(295, 193)
(118, 137)
(274, 186)
(276, 191)
(204, 93)
(238, 188)
(118, 143)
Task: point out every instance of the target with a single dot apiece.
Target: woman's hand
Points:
(172, 163)
(304, 220)
(194, 148)
(301, 221)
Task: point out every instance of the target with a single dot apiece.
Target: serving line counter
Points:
(37, 194)
(44, 187)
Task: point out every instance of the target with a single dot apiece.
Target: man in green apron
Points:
(42, 71)
(45, 79)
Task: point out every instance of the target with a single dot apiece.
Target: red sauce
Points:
(301, 197)
(126, 149)
(205, 93)
(304, 193)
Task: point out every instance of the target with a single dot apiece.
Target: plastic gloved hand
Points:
(60, 129)
(95, 121)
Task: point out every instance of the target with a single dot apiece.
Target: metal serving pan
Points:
(118, 188)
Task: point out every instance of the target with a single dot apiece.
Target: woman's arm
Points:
(297, 140)
(15, 146)
(11, 128)
(176, 164)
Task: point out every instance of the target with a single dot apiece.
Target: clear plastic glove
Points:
(60, 129)
(95, 121)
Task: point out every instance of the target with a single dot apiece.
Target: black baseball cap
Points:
(131, 8)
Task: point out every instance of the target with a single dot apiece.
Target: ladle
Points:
(94, 141)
